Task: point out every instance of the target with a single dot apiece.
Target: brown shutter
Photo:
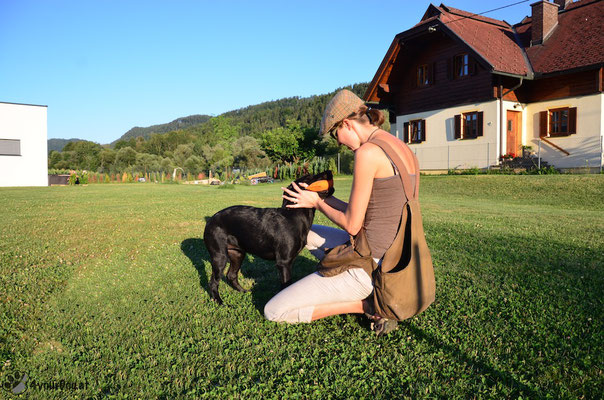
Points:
(479, 122)
(423, 130)
(543, 117)
(572, 120)
(473, 66)
(406, 132)
(458, 126)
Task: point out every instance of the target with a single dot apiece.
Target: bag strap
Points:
(411, 192)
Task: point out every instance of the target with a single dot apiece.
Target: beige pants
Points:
(297, 302)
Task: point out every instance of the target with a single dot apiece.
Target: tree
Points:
(223, 129)
(125, 158)
(248, 154)
(182, 153)
(147, 162)
(54, 158)
(120, 144)
(292, 143)
(167, 165)
(82, 154)
(217, 157)
(106, 160)
(193, 164)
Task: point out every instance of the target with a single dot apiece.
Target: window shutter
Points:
(479, 123)
(543, 119)
(406, 132)
(458, 126)
(450, 69)
(572, 120)
(473, 66)
(423, 130)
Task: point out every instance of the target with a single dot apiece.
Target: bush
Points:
(229, 186)
(549, 170)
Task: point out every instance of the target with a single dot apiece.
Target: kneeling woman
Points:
(376, 203)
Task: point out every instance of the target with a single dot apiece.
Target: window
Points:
(423, 78)
(461, 66)
(10, 147)
(558, 122)
(415, 131)
(468, 125)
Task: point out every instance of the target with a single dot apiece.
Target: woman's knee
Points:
(278, 312)
(272, 311)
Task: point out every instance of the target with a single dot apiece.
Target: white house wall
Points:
(27, 124)
(441, 151)
(584, 146)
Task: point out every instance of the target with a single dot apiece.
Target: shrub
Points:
(229, 186)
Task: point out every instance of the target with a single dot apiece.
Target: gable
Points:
(492, 43)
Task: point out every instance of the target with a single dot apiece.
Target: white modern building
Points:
(23, 145)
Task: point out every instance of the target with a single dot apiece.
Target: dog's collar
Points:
(320, 186)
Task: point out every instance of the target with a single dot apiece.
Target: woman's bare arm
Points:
(351, 217)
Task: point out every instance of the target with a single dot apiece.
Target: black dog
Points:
(271, 233)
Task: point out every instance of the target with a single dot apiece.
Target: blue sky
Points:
(103, 67)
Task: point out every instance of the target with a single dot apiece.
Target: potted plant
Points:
(527, 151)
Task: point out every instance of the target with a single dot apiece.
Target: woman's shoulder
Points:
(368, 151)
(400, 148)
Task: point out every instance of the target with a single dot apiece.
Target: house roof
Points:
(576, 42)
(493, 40)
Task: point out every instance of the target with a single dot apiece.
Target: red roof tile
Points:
(577, 41)
(492, 39)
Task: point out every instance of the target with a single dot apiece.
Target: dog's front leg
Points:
(285, 273)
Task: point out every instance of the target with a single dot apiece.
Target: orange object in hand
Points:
(320, 186)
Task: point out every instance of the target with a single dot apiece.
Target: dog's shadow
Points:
(195, 249)
(262, 272)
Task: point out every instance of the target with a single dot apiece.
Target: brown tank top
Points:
(384, 212)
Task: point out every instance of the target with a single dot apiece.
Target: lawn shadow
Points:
(482, 367)
(266, 276)
(195, 249)
(262, 272)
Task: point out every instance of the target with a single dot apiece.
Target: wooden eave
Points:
(383, 72)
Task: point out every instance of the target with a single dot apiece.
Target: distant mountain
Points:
(179, 123)
(58, 144)
(252, 120)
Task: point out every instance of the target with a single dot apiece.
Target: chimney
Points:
(544, 20)
(563, 3)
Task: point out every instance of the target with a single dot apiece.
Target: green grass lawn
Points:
(103, 293)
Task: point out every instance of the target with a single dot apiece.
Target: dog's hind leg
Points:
(236, 257)
(219, 261)
(215, 241)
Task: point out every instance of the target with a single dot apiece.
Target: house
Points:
(463, 90)
(23, 145)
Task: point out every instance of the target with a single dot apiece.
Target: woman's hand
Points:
(300, 197)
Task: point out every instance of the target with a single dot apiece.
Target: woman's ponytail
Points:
(375, 116)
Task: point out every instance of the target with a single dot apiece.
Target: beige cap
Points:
(341, 106)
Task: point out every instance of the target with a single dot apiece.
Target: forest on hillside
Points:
(281, 132)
